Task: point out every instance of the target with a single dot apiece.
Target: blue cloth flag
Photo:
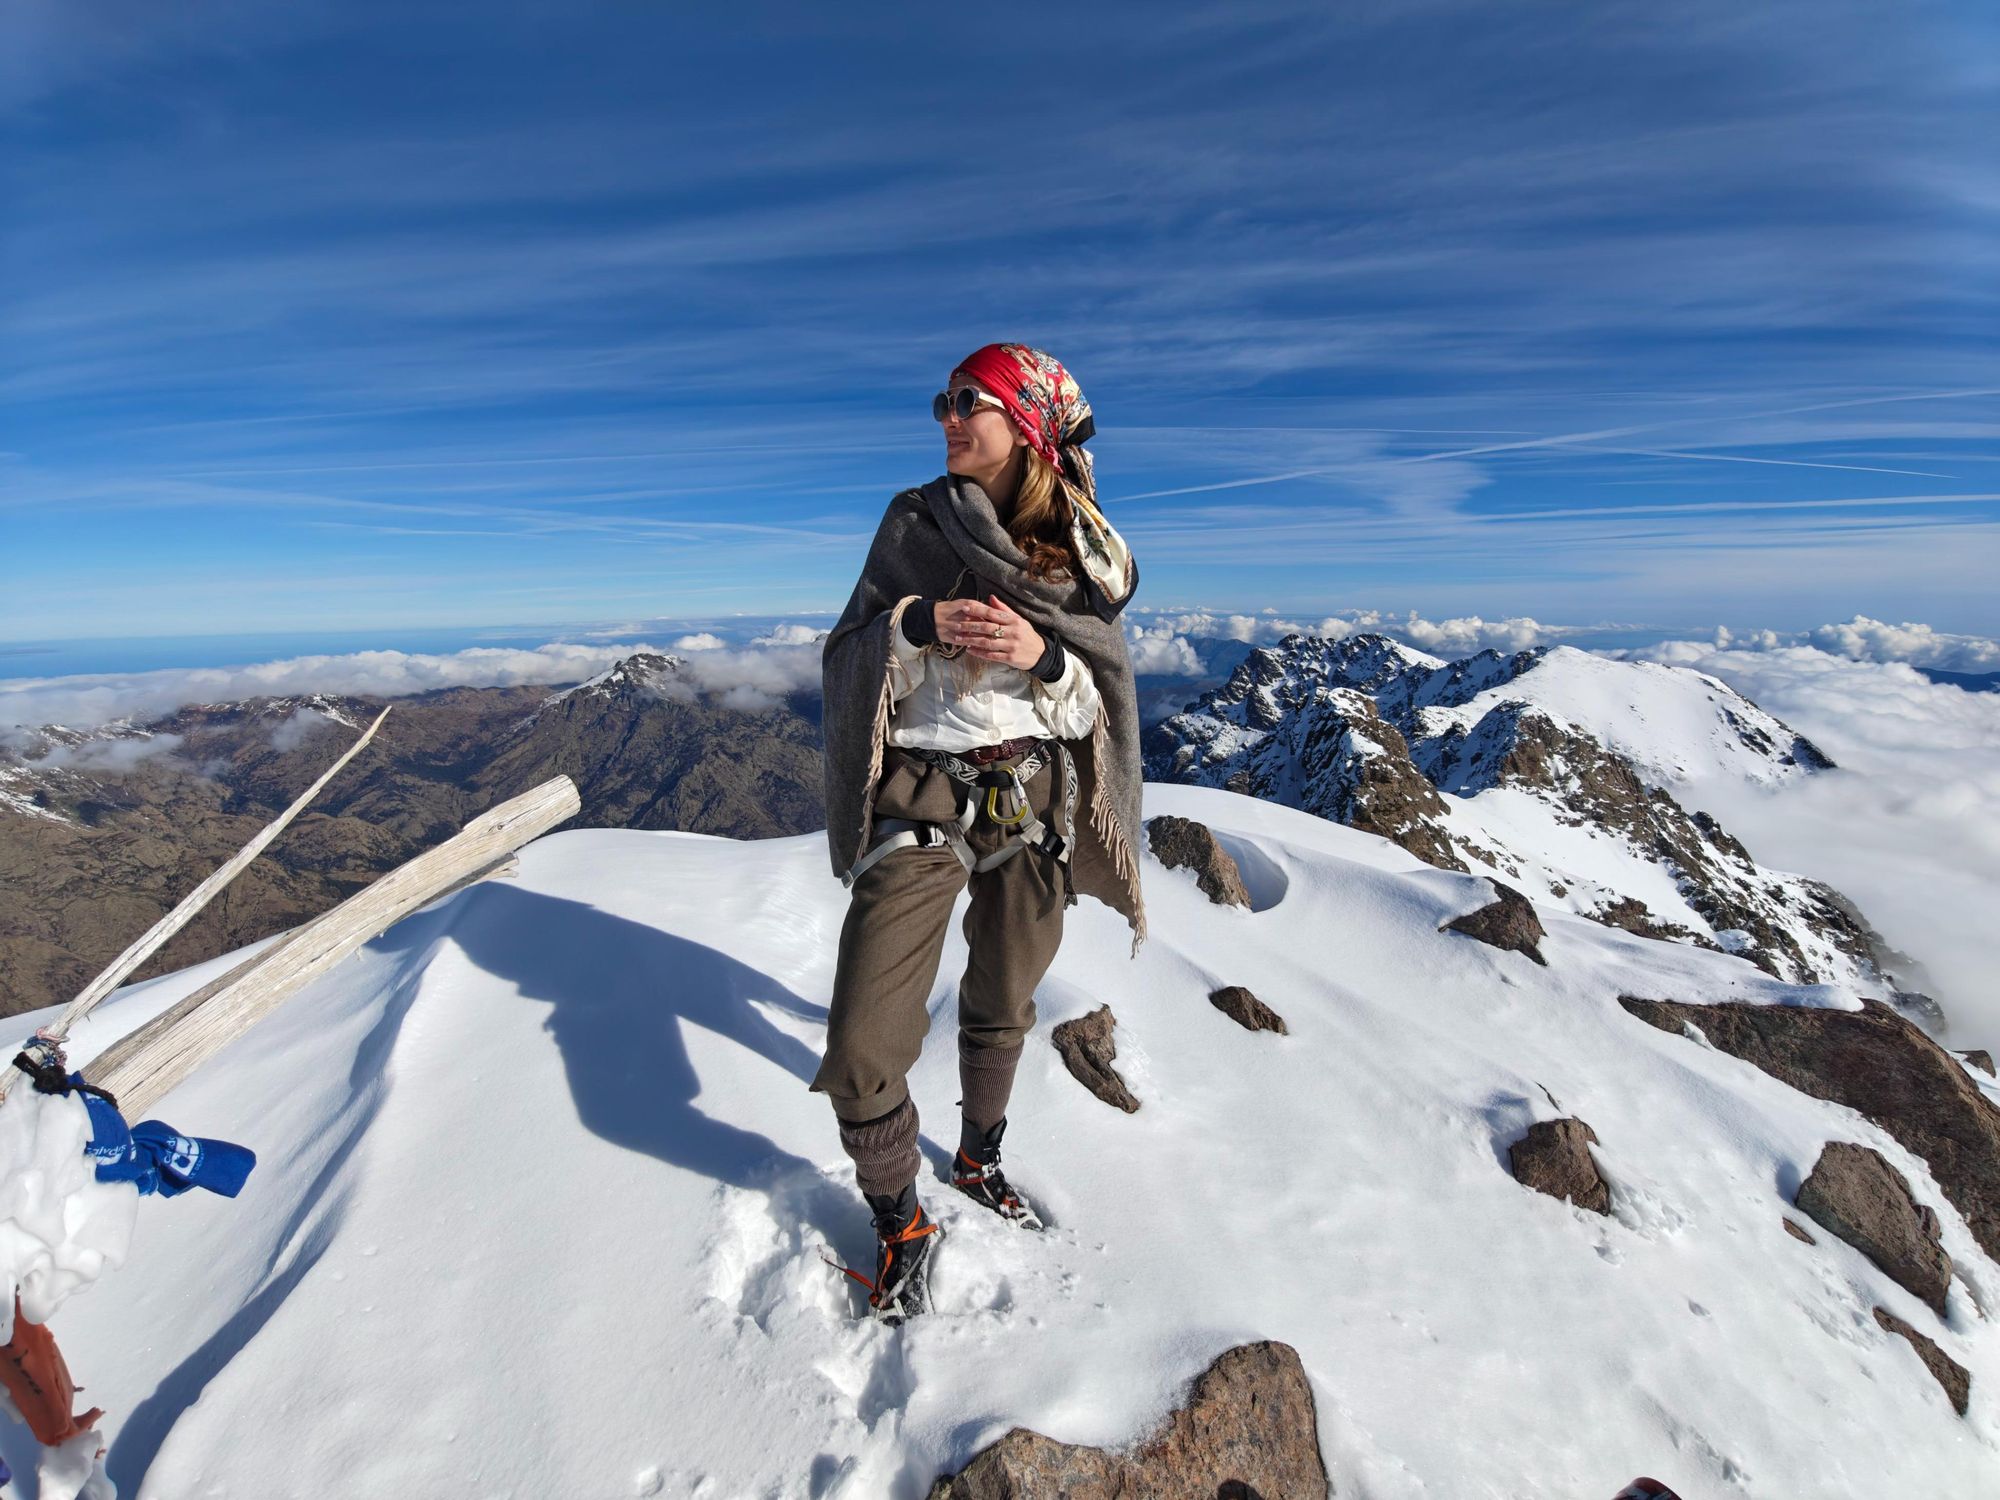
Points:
(157, 1158)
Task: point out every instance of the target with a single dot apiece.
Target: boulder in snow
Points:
(1952, 1375)
(1246, 1010)
(1182, 842)
(1853, 1191)
(1880, 1064)
(1554, 1158)
(1509, 922)
(1248, 1432)
(1087, 1049)
(1981, 1059)
(1796, 1232)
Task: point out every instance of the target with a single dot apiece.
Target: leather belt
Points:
(985, 754)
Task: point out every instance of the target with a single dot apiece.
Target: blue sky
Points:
(346, 316)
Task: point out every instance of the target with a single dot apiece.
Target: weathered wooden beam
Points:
(149, 942)
(142, 1067)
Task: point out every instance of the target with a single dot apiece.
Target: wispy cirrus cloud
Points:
(1368, 266)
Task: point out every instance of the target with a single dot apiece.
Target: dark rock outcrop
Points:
(1509, 922)
(1087, 1048)
(1879, 1064)
(1554, 1158)
(1246, 1010)
(1248, 1431)
(1630, 914)
(1853, 1191)
(1950, 1374)
(1981, 1059)
(1355, 768)
(1181, 843)
(1303, 739)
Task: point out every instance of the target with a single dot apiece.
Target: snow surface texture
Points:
(543, 1197)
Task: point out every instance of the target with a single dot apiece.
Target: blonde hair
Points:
(1040, 522)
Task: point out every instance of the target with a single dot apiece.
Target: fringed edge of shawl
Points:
(1104, 818)
(878, 736)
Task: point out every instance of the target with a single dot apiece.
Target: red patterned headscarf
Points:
(1048, 407)
(1043, 400)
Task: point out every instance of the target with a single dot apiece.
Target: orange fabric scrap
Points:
(35, 1375)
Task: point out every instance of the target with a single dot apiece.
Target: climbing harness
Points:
(1028, 831)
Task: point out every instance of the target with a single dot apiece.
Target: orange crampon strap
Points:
(901, 1237)
(976, 1178)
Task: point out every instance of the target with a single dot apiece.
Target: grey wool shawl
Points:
(927, 539)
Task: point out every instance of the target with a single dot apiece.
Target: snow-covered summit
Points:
(543, 1197)
(1674, 724)
(642, 672)
(1553, 768)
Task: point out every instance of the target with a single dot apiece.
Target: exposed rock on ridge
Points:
(1853, 1191)
(1249, 1431)
(1875, 1062)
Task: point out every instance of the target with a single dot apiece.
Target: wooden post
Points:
(141, 1068)
(149, 942)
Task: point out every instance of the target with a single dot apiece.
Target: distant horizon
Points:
(1506, 312)
(91, 656)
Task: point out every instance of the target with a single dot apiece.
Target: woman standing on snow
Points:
(978, 698)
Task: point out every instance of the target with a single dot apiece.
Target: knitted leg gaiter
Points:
(986, 1078)
(884, 1150)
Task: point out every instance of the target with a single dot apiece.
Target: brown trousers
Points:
(893, 939)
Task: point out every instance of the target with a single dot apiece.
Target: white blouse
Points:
(1007, 703)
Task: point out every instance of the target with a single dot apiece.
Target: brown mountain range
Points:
(102, 833)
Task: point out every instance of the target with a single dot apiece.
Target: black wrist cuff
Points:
(920, 623)
(1051, 666)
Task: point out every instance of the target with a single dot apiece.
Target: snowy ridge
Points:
(17, 785)
(642, 672)
(1556, 770)
(543, 1195)
(326, 705)
(1674, 725)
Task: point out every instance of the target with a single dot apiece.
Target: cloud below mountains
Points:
(1162, 643)
(110, 757)
(1909, 827)
(1863, 639)
(86, 701)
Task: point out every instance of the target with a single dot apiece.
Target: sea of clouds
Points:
(752, 677)
(1909, 825)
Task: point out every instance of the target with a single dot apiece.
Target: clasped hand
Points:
(972, 624)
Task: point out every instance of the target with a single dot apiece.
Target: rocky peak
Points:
(640, 675)
(1584, 749)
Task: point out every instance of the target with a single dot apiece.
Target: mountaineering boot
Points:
(975, 1172)
(904, 1235)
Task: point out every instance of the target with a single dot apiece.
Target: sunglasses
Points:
(963, 402)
